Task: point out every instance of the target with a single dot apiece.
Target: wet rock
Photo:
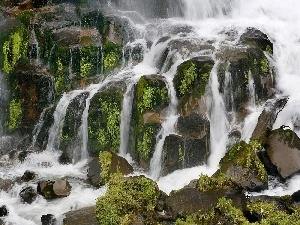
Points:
(253, 36)
(6, 184)
(190, 83)
(3, 211)
(84, 216)
(283, 149)
(2, 222)
(268, 117)
(48, 219)
(54, 189)
(190, 200)
(28, 176)
(296, 196)
(28, 194)
(181, 152)
(94, 172)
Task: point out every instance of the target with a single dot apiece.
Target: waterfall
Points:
(219, 125)
(59, 117)
(126, 119)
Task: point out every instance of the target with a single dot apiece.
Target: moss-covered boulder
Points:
(54, 188)
(242, 165)
(150, 100)
(190, 84)
(110, 163)
(283, 152)
(32, 91)
(104, 120)
(127, 201)
(13, 44)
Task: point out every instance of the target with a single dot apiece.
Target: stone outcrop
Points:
(84, 216)
(28, 194)
(283, 150)
(48, 219)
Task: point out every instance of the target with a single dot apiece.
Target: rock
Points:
(296, 196)
(283, 149)
(268, 117)
(48, 219)
(28, 194)
(242, 165)
(3, 211)
(84, 216)
(190, 200)
(62, 188)
(28, 176)
(94, 172)
(54, 189)
(111, 163)
(2, 222)
(6, 184)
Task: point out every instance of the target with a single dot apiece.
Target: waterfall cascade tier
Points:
(170, 85)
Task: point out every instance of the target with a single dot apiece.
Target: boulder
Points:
(61, 188)
(28, 194)
(94, 172)
(184, 152)
(190, 200)
(110, 163)
(283, 149)
(84, 216)
(268, 117)
(54, 189)
(28, 176)
(3, 211)
(6, 184)
(242, 165)
(48, 219)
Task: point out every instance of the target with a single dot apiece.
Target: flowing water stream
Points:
(205, 20)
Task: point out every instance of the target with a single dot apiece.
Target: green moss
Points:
(191, 78)
(15, 115)
(25, 17)
(244, 155)
(126, 200)
(145, 143)
(14, 48)
(264, 66)
(89, 61)
(112, 56)
(104, 121)
(105, 162)
(206, 183)
(269, 49)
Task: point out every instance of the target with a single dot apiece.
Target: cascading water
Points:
(204, 20)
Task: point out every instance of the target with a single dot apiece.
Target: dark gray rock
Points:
(3, 211)
(28, 176)
(48, 219)
(28, 194)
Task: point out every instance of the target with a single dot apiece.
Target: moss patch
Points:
(105, 162)
(15, 115)
(112, 56)
(127, 200)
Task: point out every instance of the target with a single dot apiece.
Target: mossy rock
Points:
(104, 120)
(150, 98)
(191, 78)
(112, 56)
(127, 200)
(242, 165)
(13, 44)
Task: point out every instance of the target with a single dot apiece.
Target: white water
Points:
(209, 19)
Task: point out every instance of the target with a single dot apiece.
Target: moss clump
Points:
(89, 61)
(127, 200)
(192, 77)
(219, 181)
(104, 122)
(14, 46)
(151, 96)
(112, 56)
(244, 155)
(105, 162)
(15, 115)
(264, 66)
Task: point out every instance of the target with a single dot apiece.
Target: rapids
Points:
(206, 20)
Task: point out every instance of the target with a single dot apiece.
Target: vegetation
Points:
(105, 162)
(127, 200)
(112, 55)
(15, 115)
(206, 183)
